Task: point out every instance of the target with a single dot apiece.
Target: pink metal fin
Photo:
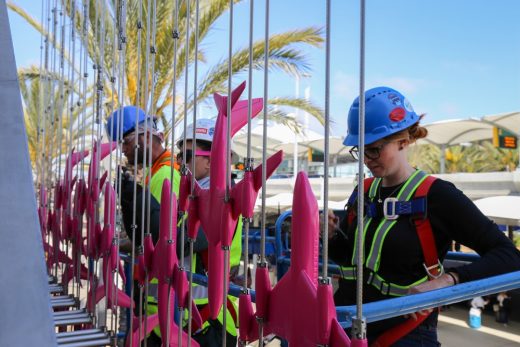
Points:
(246, 318)
(263, 291)
(138, 336)
(282, 307)
(218, 217)
(244, 193)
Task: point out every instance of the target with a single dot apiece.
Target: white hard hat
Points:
(204, 131)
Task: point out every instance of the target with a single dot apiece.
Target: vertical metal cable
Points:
(249, 160)
(65, 143)
(95, 140)
(136, 149)
(325, 238)
(52, 113)
(142, 288)
(40, 118)
(81, 147)
(151, 109)
(194, 147)
(358, 324)
(114, 275)
(184, 168)
(85, 74)
(72, 73)
(264, 136)
(99, 110)
(147, 154)
(151, 16)
(230, 89)
(121, 32)
(175, 37)
(86, 18)
(59, 110)
(225, 248)
(263, 262)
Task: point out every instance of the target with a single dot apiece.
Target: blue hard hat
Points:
(126, 118)
(386, 112)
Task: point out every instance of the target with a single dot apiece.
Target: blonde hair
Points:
(412, 133)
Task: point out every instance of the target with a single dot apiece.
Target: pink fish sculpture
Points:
(298, 308)
(209, 208)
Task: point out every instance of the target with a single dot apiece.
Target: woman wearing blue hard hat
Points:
(410, 221)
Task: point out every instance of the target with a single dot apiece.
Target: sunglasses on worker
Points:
(189, 154)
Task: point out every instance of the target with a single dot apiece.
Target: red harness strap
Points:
(425, 233)
(431, 263)
(351, 213)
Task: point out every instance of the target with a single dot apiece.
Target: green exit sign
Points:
(504, 139)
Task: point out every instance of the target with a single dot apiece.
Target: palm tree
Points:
(285, 54)
(44, 140)
(477, 157)
(425, 157)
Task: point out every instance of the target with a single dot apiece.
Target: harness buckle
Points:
(385, 288)
(392, 202)
(433, 267)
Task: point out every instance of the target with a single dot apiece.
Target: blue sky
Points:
(453, 59)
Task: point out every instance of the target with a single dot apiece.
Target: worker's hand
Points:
(443, 281)
(415, 315)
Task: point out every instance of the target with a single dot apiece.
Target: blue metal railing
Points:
(376, 311)
(379, 310)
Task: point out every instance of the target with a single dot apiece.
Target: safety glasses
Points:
(372, 153)
(189, 154)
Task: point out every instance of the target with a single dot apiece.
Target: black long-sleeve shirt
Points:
(453, 216)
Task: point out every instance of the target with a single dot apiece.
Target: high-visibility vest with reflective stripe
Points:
(234, 260)
(200, 294)
(158, 178)
(161, 170)
(372, 261)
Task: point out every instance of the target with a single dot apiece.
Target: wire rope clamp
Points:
(390, 215)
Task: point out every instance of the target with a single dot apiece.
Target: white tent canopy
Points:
(501, 209)
(281, 137)
(284, 201)
(451, 132)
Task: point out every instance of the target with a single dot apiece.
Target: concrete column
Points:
(26, 318)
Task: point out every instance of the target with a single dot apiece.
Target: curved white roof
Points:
(451, 132)
(501, 209)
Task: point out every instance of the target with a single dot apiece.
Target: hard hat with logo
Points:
(204, 130)
(124, 121)
(387, 112)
